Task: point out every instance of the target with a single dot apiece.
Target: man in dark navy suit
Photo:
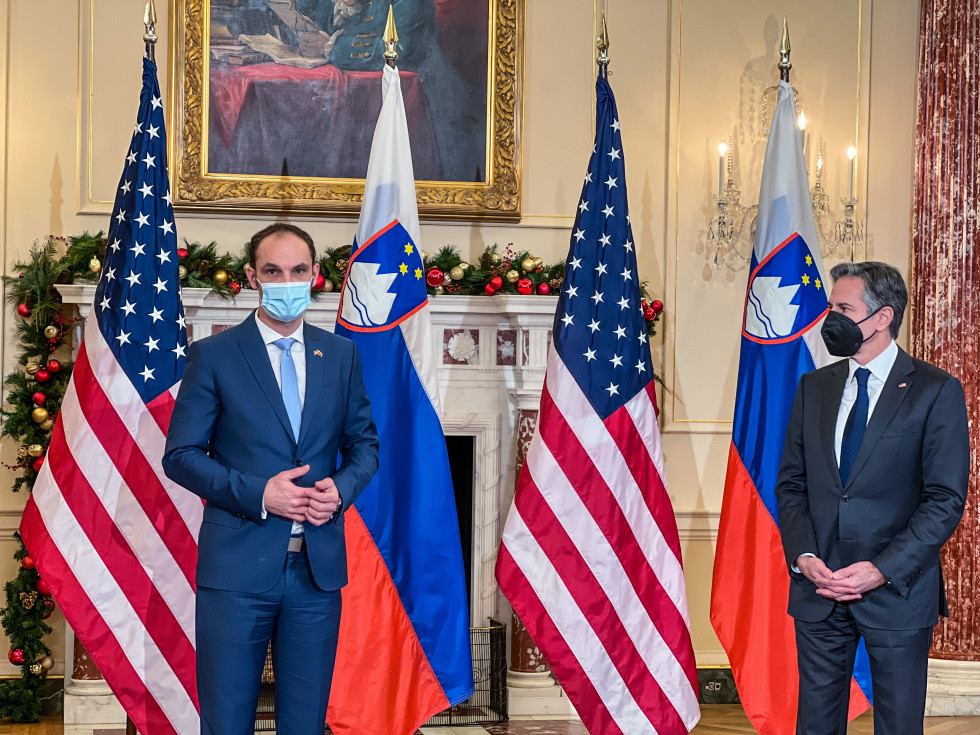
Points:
(873, 482)
(272, 427)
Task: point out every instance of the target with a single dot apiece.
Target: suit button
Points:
(844, 498)
(299, 463)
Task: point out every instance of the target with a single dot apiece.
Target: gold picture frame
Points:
(497, 196)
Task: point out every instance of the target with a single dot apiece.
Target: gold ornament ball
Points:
(47, 425)
(527, 265)
(21, 453)
(220, 277)
(465, 266)
(47, 663)
(496, 258)
(94, 265)
(539, 262)
(32, 366)
(439, 290)
(50, 331)
(37, 669)
(457, 273)
(446, 279)
(512, 276)
(36, 450)
(40, 415)
(327, 286)
(182, 271)
(425, 256)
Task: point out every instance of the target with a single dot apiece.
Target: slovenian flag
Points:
(404, 651)
(785, 304)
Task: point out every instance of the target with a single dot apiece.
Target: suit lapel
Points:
(257, 356)
(314, 379)
(829, 408)
(888, 402)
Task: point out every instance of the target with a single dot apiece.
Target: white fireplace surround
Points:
(491, 357)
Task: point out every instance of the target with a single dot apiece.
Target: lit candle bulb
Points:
(722, 150)
(802, 121)
(851, 154)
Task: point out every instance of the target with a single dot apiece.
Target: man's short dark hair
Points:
(883, 286)
(274, 229)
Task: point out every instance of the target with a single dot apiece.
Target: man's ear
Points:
(250, 275)
(885, 316)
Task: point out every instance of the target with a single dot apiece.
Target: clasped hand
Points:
(315, 504)
(844, 585)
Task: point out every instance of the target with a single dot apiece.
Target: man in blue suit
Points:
(272, 427)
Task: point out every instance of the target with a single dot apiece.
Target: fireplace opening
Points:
(461, 449)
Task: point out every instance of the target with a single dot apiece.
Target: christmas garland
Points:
(35, 388)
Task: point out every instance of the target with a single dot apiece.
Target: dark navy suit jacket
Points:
(229, 433)
(903, 499)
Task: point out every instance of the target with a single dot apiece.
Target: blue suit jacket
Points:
(229, 433)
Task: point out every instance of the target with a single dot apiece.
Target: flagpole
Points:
(390, 39)
(602, 44)
(784, 49)
(150, 39)
(150, 21)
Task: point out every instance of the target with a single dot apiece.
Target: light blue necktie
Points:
(289, 384)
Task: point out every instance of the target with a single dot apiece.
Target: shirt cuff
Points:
(794, 568)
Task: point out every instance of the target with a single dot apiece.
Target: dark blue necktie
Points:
(857, 422)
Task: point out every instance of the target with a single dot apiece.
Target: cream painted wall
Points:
(686, 72)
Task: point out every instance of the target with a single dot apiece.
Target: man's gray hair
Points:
(883, 286)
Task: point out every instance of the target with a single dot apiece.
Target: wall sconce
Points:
(732, 228)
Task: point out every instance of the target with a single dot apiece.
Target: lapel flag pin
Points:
(902, 385)
(320, 354)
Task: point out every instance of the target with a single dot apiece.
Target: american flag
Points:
(113, 538)
(590, 558)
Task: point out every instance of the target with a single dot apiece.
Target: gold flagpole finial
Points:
(602, 45)
(150, 21)
(391, 39)
(784, 49)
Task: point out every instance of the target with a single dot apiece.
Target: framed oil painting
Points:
(275, 103)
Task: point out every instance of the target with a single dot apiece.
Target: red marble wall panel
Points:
(945, 268)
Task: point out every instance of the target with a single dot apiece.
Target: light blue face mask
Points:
(285, 302)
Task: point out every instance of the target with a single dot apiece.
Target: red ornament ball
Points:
(48, 609)
(54, 366)
(16, 656)
(649, 313)
(489, 290)
(543, 289)
(434, 277)
(23, 310)
(497, 282)
(40, 398)
(42, 588)
(181, 252)
(42, 376)
(38, 463)
(524, 286)
(319, 282)
(27, 562)
(657, 306)
(234, 286)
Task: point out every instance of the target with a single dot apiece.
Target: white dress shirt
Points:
(879, 367)
(298, 352)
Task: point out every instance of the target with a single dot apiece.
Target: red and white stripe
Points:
(590, 560)
(118, 540)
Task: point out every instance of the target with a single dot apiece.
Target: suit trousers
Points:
(899, 663)
(233, 634)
